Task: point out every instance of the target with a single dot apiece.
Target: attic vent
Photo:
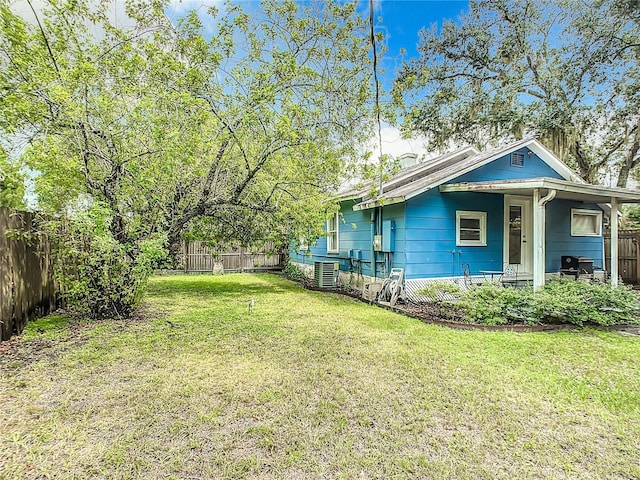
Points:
(517, 159)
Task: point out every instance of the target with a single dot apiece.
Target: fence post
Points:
(186, 257)
(637, 245)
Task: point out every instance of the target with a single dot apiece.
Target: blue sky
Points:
(400, 21)
(403, 19)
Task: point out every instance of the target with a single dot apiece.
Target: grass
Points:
(311, 385)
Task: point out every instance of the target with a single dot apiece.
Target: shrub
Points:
(440, 291)
(578, 302)
(294, 272)
(560, 301)
(491, 304)
(98, 275)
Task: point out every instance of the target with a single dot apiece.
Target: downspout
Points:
(539, 236)
(373, 252)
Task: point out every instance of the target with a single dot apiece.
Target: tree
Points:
(287, 88)
(564, 70)
(151, 129)
(11, 183)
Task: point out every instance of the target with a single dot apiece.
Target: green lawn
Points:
(308, 386)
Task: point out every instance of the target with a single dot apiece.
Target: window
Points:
(586, 223)
(471, 228)
(303, 245)
(332, 234)
(517, 159)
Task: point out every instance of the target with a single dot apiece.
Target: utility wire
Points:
(375, 78)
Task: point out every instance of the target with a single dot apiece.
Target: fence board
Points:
(27, 286)
(628, 255)
(201, 258)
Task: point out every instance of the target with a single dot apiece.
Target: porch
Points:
(528, 198)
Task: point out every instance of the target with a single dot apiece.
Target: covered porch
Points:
(532, 197)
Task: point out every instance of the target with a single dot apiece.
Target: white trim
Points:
(519, 156)
(614, 242)
(589, 213)
(545, 155)
(482, 217)
(336, 247)
(532, 144)
(526, 261)
(566, 189)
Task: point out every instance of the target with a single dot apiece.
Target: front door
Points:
(518, 241)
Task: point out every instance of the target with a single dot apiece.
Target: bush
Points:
(294, 272)
(492, 304)
(560, 301)
(440, 291)
(578, 302)
(98, 275)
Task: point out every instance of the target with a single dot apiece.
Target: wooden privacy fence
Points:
(27, 286)
(628, 255)
(200, 258)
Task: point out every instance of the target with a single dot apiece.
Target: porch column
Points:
(614, 242)
(539, 224)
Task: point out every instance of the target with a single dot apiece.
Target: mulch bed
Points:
(433, 314)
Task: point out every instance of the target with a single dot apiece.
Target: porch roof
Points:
(565, 189)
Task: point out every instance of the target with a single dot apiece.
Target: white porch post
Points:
(538, 242)
(614, 242)
(539, 223)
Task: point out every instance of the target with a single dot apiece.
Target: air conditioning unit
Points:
(325, 274)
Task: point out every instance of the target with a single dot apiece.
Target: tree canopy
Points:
(232, 122)
(566, 71)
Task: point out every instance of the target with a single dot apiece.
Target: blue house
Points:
(515, 209)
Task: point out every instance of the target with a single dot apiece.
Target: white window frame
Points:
(586, 212)
(482, 216)
(331, 248)
(518, 156)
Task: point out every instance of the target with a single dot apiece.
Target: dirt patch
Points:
(19, 352)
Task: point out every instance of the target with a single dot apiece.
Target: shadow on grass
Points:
(234, 285)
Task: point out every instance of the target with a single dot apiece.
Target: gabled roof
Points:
(420, 178)
(410, 174)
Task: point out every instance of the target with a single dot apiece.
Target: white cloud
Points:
(393, 144)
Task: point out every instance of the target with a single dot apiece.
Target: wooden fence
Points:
(628, 255)
(27, 287)
(198, 257)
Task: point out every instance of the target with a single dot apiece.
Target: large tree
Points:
(238, 123)
(565, 70)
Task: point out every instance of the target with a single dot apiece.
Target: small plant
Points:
(294, 272)
(440, 291)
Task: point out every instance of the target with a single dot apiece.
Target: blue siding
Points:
(559, 239)
(501, 169)
(431, 249)
(355, 233)
(425, 228)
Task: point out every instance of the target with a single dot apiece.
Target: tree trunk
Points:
(630, 162)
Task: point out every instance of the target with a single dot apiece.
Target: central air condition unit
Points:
(325, 274)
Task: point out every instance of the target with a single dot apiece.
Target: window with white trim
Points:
(471, 229)
(586, 223)
(333, 234)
